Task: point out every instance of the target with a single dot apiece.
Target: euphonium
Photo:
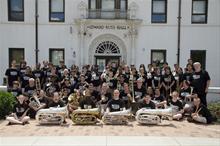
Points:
(52, 115)
(85, 116)
(153, 116)
(116, 118)
(34, 101)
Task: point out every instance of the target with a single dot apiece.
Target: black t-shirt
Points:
(13, 75)
(15, 92)
(38, 74)
(56, 104)
(125, 98)
(177, 105)
(156, 80)
(87, 103)
(185, 92)
(95, 79)
(149, 105)
(139, 92)
(204, 112)
(107, 97)
(22, 71)
(187, 76)
(149, 79)
(113, 83)
(158, 98)
(29, 90)
(25, 79)
(167, 79)
(199, 81)
(19, 109)
(116, 105)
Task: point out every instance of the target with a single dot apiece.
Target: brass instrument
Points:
(116, 118)
(153, 116)
(52, 115)
(131, 85)
(38, 84)
(73, 101)
(85, 116)
(34, 101)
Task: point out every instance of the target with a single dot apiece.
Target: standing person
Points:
(200, 82)
(156, 82)
(23, 65)
(168, 82)
(25, 77)
(12, 74)
(188, 73)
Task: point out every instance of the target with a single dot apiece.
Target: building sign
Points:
(110, 27)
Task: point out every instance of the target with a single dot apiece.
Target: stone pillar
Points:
(81, 35)
(133, 35)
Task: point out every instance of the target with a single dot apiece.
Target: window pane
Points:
(16, 54)
(16, 5)
(17, 16)
(57, 16)
(108, 4)
(56, 56)
(123, 4)
(159, 7)
(92, 4)
(158, 57)
(199, 18)
(56, 5)
(158, 18)
(199, 7)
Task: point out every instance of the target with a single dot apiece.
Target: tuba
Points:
(85, 116)
(52, 115)
(116, 118)
(153, 116)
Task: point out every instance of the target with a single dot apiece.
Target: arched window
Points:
(107, 47)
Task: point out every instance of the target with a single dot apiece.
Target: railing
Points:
(107, 14)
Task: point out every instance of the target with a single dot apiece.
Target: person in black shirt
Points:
(189, 71)
(159, 99)
(147, 103)
(177, 106)
(30, 88)
(115, 104)
(22, 68)
(56, 101)
(38, 73)
(12, 74)
(200, 82)
(15, 90)
(200, 113)
(86, 102)
(156, 82)
(20, 112)
(26, 76)
(43, 102)
(139, 90)
(126, 96)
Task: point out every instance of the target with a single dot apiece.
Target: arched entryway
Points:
(106, 49)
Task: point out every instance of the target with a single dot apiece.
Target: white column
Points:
(133, 34)
(81, 44)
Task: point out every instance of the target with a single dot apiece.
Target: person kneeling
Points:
(19, 115)
(200, 113)
(177, 106)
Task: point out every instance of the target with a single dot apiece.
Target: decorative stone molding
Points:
(82, 10)
(103, 38)
(133, 7)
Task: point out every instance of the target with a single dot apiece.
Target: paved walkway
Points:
(171, 133)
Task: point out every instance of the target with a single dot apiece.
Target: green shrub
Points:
(215, 110)
(7, 101)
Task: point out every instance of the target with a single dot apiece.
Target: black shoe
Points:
(9, 123)
(190, 119)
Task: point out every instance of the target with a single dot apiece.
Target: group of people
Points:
(117, 88)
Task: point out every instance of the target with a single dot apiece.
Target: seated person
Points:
(147, 103)
(30, 88)
(15, 90)
(20, 112)
(177, 106)
(56, 101)
(41, 101)
(86, 102)
(115, 104)
(139, 90)
(200, 113)
(159, 99)
(126, 96)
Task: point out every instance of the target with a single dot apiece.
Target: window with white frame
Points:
(57, 10)
(159, 11)
(15, 10)
(56, 55)
(199, 11)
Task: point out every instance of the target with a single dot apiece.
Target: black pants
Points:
(202, 97)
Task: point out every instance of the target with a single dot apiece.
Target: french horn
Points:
(153, 116)
(85, 116)
(52, 115)
(116, 118)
